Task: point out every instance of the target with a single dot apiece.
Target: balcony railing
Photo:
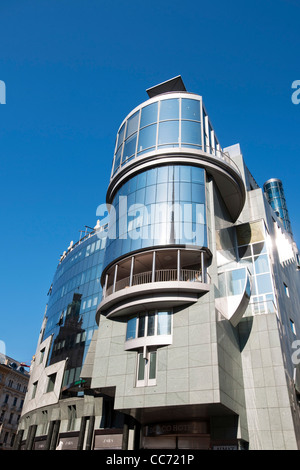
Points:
(160, 275)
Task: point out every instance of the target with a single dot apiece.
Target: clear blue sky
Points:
(73, 69)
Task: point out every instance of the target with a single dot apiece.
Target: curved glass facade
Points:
(275, 195)
(168, 122)
(74, 296)
(162, 206)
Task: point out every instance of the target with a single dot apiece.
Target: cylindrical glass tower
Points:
(274, 192)
(166, 149)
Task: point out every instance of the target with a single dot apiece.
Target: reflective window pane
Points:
(161, 193)
(261, 264)
(185, 173)
(190, 109)
(191, 132)
(150, 195)
(141, 369)
(244, 251)
(152, 366)
(168, 132)
(141, 180)
(162, 174)
(169, 109)
(151, 324)
(149, 114)
(118, 158)
(164, 323)
(121, 136)
(147, 137)
(132, 124)
(197, 175)
(151, 176)
(264, 283)
(259, 248)
(198, 193)
(131, 328)
(185, 192)
(236, 281)
(141, 327)
(129, 147)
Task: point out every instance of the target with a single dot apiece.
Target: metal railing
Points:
(160, 275)
(215, 153)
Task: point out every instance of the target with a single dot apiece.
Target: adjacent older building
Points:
(176, 326)
(13, 387)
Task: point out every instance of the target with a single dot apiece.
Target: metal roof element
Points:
(174, 84)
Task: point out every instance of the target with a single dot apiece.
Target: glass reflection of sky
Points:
(78, 274)
(161, 206)
(166, 123)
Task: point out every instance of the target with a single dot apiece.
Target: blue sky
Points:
(74, 69)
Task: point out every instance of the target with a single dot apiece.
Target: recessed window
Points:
(42, 354)
(146, 369)
(51, 382)
(34, 387)
(71, 417)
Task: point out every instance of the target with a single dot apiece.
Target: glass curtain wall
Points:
(73, 298)
(161, 206)
(166, 123)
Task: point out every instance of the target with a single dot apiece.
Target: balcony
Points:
(161, 275)
(167, 277)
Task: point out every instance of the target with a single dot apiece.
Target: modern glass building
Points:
(175, 325)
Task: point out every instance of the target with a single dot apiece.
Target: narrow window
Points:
(292, 325)
(164, 323)
(45, 422)
(34, 387)
(151, 324)
(141, 368)
(146, 369)
(51, 383)
(71, 417)
(141, 327)
(152, 366)
(42, 354)
(131, 328)
(286, 290)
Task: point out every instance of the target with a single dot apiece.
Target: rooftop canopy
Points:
(174, 84)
